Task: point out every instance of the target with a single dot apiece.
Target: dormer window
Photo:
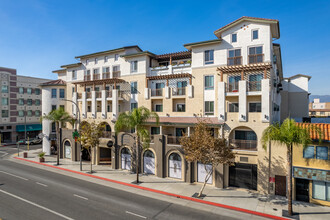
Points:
(234, 38)
(106, 59)
(255, 34)
(209, 56)
(116, 57)
(96, 60)
(74, 74)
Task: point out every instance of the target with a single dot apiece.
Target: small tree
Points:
(202, 147)
(289, 134)
(90, 135)
(136, 119)
(59, 117)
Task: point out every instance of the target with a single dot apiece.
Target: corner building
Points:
(235, 81)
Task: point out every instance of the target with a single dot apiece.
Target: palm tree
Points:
(289, 134)
(59, 117)
(136, 119)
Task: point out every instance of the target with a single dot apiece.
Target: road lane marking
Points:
(4, 153)
(39, 206)
(131, 213)
(41, 184)
(13, 175)
(80, 196)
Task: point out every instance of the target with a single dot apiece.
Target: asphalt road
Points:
(7, 150)
(27, 192)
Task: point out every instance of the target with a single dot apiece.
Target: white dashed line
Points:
(41, 184)
(13, 175)
(80, 196)
(131, 213)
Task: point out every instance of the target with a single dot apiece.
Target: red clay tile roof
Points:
(324, 130)
(57, 82)
(186, 120)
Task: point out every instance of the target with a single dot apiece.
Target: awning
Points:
(35, 127)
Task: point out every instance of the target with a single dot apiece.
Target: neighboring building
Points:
(235, 81)
(311, 167)
(20, 105)
(319, 109)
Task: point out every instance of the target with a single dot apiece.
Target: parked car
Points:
(33, 141)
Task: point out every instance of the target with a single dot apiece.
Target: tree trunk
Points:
(137, 156)
(289, 179)
(207, 177)
(91, 158)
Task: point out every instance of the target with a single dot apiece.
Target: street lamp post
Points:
(78, 128)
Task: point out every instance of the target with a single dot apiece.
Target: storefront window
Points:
(321, 190)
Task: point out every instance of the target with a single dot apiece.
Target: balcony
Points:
(178, 91)
(106, 75)
(156, 92)
(256, 58)
(250, 145)
(87, 77)
(171, 69)
(96, 76)
(98, 94)
(232, 87)
(108, 94)
(88, 95)
(174, 140)
(231, 61)
(254, 86)
(115, 74)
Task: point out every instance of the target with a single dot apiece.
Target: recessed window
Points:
(134, 105)
(309, 152)
(4, 89)
(233, 83)
(109, 108)
(159, 108)
(21, 90)
(234, 38)
(180, 107)
(5, 113)
(255, 34)
(234, 57)
(37, 91)
(134, 88)
(87, 61)
(53, 107)
(29, 102)
(20, 113)
(37, 102)
(255, 107)
(21, 101)
(209, 108)
(62, 95)
(105, 59)
(233, 107)
(134, 66)
(29, 91)
(116, 57)
(54, 91)
(37, 113)
(29, 113)
(209, 56)
(74, 74)
(155, 130)
(322, 152)
(96, 60)
(4, 101)
(209, 82)
(105, 69)
(255, 55)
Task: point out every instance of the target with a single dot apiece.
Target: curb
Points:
(163, 193)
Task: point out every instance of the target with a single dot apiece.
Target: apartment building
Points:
(20, 105)
(234, 81)
(319, 109)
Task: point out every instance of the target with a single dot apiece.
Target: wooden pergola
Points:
(244, 68)
(174, 56)
(168, 77)
(103, 82)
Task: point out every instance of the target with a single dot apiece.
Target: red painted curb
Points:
(164, 193)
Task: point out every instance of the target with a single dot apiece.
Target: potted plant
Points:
(41, 157)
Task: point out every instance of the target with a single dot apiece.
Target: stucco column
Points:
(167, 92)
(221, 101)
(146, 93)
(160, 130)
(46, 125)
(188, 131)
(104, 104)
(94, 104)
(75, 100)
(265, 100)
(190, 91)
(115, 104)
(84, 105)
(242, 116)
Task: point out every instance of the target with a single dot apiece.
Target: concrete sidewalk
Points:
(236, 197)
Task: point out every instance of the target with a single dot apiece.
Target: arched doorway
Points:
(125, 159)
(67, 149)
(175, 166)
(149, 162)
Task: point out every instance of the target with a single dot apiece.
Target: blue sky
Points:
(38, 36)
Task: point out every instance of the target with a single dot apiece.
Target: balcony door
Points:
(233, 83)
(255, 82)
(245, 135)
(160, 85)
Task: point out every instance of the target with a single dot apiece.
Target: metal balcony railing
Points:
(173, 140)
(98, 94)
(115, 74)
(106, 75)
(79, 95)
(232, 87)
(254, 86)
(179, 91)
(156, 92)
(231, 61)
(87, 77)
(108, 94)
(243, 144)
(96, 76)
(256, 58)
(88, 95)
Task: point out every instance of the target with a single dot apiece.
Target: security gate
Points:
(175, 166)
(201, 173)
(67, 150)
(125, 159)
(149, 162)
